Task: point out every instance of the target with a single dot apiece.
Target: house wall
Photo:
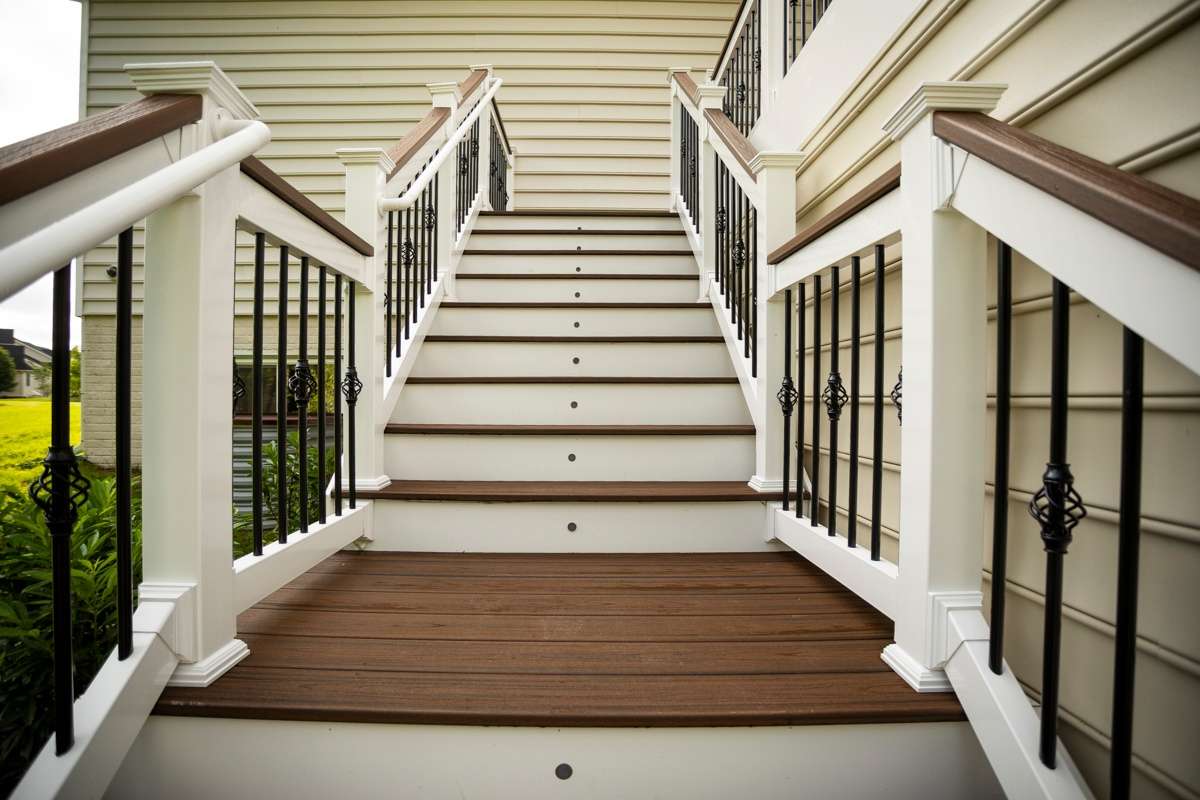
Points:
(585, 101)
(1111, 80)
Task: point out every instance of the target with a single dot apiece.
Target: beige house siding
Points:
(1109, 79)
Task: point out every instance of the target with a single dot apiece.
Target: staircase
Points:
(574, 396)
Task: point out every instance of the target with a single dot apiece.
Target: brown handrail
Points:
(738, 145)
(414, 140)
(469, 84)
(1154, 215)
(873, 191)
(688, 84)
(270, 180)
(733, 29)
(39, 161)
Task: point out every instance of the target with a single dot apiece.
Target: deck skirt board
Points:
(564, 640)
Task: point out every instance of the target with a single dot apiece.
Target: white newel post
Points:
(775, 173)
(367, 170)
(677, 112)
(187, 431)
(773, 22)
(485, 142)
(945, 363)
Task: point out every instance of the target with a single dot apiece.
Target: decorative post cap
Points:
(776, 158)
(444, 94)
(486, 67)
(943, 96)
(711, 94)
(376, 156)
(192, 77)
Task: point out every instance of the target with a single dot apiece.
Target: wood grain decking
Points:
(695, 639)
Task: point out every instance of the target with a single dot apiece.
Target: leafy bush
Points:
(26, 650)
(243, 526)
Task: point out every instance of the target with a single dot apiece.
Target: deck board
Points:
(564, 640)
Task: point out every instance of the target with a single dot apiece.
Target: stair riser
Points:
(547, 264)
(562, 322)
(581, 290)
(550, 404)
(441, 457)
(572, 239)
(454, 526)
(448, 359)
(605, 222)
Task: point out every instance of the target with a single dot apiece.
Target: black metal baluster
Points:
(877, 413)
(800, 355)
(58, 493)
(787, 393)
(388, 294)
(410, 297)
(281, 395)
(787, 62)
(855, 399)
(1058, 509)
(1000, 479)
(433, 224)
(337, 394)
(835, 396)
(256, 393)
(124, 444)
(322, 477)
(815, 478)
(303, 384)
(752, 317)
(414, 239)
(351, 387)
(1129, 528)
(738, 257)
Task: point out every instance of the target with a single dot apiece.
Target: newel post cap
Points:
(712, 95)
(371, 156)
(791, 159)
(444, 94)
(943, 96)
(485, 67)
(192, 77)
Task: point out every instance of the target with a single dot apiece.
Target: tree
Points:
(43, 374)
(8, 372)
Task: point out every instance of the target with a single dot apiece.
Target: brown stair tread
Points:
(636, 640)
(634, 306)
(580, 232)
(578, 339)
(574, 252)
(579, 212)
(571, 430)
(565, 379)
(575, 276)
(570, 491)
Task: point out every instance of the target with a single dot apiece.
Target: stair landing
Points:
(562, 640)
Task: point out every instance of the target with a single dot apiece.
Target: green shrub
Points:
(26, 653)
(243, 523)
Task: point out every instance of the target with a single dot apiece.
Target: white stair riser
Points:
(438, 457)
(555, 264)
(602, 222)
(562, 322)
(449, 359)
(550, 404)
(580, 290)
(569, 240)
(667, 527)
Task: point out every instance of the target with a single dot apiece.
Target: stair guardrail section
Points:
(501, 164)
(739, 68)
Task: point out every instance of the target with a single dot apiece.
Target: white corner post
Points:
(711, 95)
(367, 170)
(944, 354)
(773, 53)
(677, 112)
(187, 432)
(775, 173)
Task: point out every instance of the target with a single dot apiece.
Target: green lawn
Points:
(24, 437)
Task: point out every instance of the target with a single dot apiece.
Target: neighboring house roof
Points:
(25, 356)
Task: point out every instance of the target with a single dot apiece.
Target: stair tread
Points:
(631, 640)
(579, 232)
(554, 304)
(569, 430)
(576, 276)
(582, 212)
(566, 379)
(571, 491)
(515, 339)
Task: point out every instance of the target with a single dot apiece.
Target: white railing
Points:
(195, 202)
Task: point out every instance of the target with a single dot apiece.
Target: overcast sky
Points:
(39, 91)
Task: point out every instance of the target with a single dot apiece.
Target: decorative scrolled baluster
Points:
(834, 397)
(787, 396)
(897, 396)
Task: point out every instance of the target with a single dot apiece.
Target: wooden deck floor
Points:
(696, 639)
